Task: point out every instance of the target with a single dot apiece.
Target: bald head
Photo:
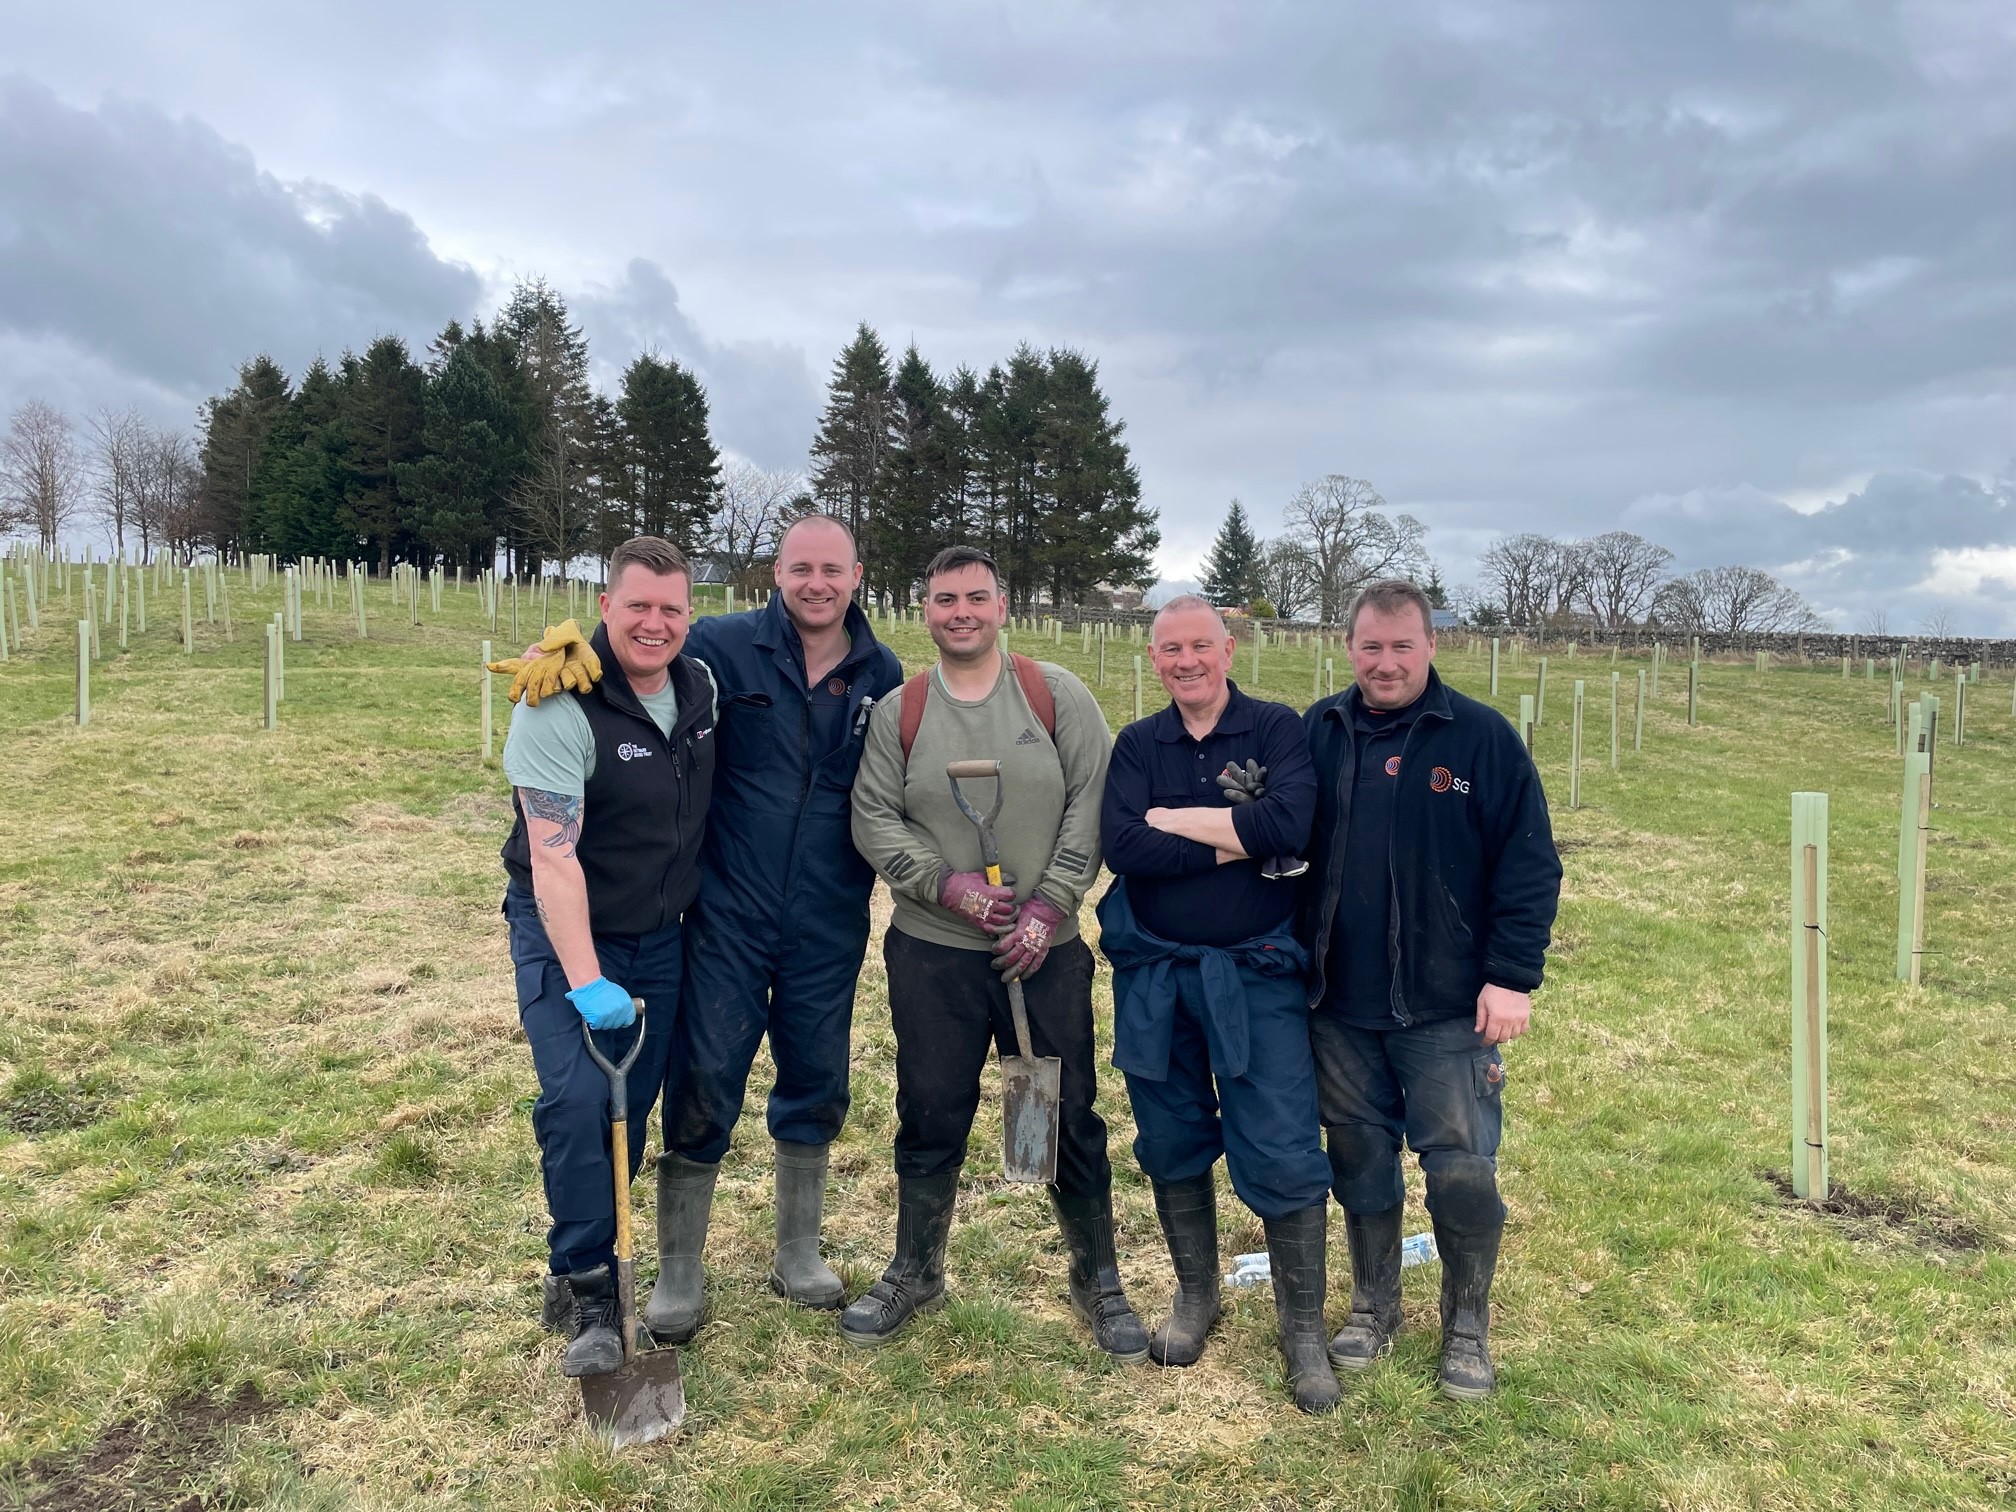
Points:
(1190, 603)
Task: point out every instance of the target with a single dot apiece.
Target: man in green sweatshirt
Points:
(954, 937)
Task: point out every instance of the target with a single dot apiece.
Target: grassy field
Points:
(270, 1226)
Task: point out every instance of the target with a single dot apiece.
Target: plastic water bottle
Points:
(1251, 1270)
(1418, 1249)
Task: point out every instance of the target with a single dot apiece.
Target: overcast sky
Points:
(1740, 277)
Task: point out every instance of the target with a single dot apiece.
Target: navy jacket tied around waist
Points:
(1145, 968)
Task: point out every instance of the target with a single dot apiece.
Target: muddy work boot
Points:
(1468, 1263)
(1189, 1214)
(915, 1279)
(1094, 1275)
(679, 1297)
(1367, 1335)
(797, 1272)
(556, 1304)
(1295, 1254)
(597, 1346)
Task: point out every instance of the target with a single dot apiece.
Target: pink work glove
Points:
(976, 901)
(1020, 952)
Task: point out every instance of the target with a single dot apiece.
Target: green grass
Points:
(264, 1140)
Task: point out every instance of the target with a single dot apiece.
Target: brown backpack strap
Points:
(911, 715)
(1036, 690)
(918, 689)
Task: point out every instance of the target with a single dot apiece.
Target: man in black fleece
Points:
(1435, 882)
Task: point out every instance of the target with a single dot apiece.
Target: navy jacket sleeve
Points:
(1524, 887)
(1277, 824)
(1131, 847)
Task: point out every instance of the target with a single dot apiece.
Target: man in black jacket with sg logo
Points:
(1435, 882)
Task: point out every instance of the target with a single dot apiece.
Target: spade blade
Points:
(643, 1401)
(1031, 1103)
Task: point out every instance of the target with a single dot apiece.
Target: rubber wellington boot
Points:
(1367, 1335)
(556, 1304)
(1295, 1253)
(597, 1346)
(915, 1279)
(679, 1296)
(1468, 1263)
(797, 1272)
(1094, 1275)
(1189, 1214)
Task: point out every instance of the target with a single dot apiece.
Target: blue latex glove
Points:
(604, 1005)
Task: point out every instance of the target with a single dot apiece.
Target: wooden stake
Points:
(1914, 816)
(1526, 722)
(1693, 692)
(1638, 722)
(1494, 666)
(272, 680)
(188, 621)
(1137, 687)
(1540, 697)
(483, 671)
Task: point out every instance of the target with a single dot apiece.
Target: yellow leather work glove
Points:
(564, 660)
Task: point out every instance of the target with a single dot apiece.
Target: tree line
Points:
(493, 444)
(1339, 535)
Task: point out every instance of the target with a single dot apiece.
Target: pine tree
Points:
(904, 533)
(669, 469)
(296, 508)
(234, 440)
(554, 500)
(1231, 572)
(457, 486)
(384, 407)
(1089, 525)
(856, 432)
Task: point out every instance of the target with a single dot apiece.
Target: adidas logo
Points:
(1027, 737)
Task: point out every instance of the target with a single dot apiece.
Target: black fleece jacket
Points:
(1474, 874)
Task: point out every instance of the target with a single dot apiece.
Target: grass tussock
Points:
(270, 1221)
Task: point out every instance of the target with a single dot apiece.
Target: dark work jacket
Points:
(781, 821)
(646, 804)
(1144, 990)
(1471, 862)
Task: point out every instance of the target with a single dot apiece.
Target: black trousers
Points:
(949, 1008)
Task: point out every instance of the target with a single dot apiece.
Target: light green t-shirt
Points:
(550, 747)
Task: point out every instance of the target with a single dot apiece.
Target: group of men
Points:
(1321, 929)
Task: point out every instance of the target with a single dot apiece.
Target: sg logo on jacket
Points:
(1441, 780)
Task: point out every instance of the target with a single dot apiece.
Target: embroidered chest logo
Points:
(1393, 766)
(1441, 780)
(629, 752)
(1028, 737)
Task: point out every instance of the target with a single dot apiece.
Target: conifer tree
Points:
(1231, 572)
(668, 468)
(234, 439)
(905, 532)
(856, 432)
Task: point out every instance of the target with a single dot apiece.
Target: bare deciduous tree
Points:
(39, 474)
(1342, 523)
(1937, 623)
(1517, 572)
(752, 507)
(1875, 622)
(119, 441)
(1621, 572)
(1287, 578)
(1732, 601)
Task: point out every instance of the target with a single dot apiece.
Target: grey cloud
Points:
(161, 249)
(762, 400)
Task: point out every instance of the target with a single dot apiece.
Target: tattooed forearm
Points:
(562, 809)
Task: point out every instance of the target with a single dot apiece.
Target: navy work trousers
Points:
(1438, 1086)
(949, 1007)
(743, 982)
(1263, 1123)
(571, 1118)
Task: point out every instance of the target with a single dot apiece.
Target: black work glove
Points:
(1243, 784)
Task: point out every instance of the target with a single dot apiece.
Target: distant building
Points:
(1444, 619)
